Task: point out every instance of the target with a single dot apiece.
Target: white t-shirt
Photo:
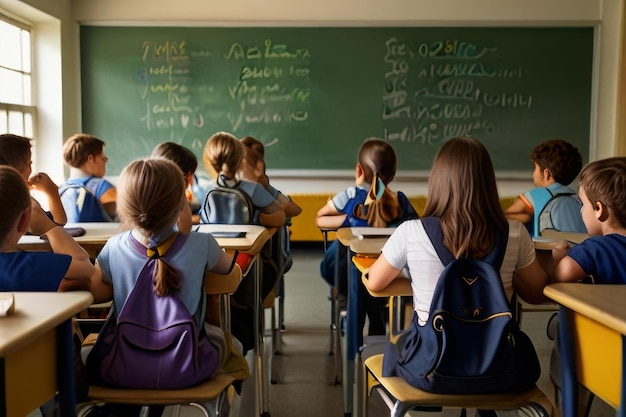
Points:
(410, 249)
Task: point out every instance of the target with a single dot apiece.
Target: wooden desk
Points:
(252, 243)
(592, 332)
(95, 237)
(36, 352)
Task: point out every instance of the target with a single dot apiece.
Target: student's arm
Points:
(223, 264)
(328, 217)
(102, 291)
(81, 269)
(43, 183)
(290, 208)
(108, 201)
(568, 270)
(272, 215)
(380, 274)
(528, 283)
(520, 210)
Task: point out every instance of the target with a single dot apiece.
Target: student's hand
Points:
(40, 223)
(42, 182)
(560, 250)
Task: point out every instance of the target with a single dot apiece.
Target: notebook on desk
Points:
(227, 234)
(372, 232)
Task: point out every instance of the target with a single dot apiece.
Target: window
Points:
(16, 107)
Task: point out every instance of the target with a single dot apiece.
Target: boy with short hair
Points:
(15, 151)
(85, 156)
(66, 268)
(602, 187)
(552, 204)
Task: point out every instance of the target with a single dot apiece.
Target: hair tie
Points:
(155, 252)
(376, 190)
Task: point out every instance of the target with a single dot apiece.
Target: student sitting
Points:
(369, 203)
(253, 169)
(601, 190)
(223, 158)
(93, 198)
(15, 151)
(188, 163)
(151, 197)
(66, 268)
(552, 205)
(463, 196)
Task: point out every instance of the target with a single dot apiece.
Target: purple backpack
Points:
(155, 342)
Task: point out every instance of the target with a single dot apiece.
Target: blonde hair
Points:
(150, 196)
(378, 160)
(463, 194)
(223, 155)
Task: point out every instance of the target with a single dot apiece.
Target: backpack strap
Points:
(432, 226)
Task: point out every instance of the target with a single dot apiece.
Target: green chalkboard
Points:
(313, 94)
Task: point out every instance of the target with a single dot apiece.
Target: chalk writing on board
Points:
(451, 97)
(272, 87)
(166, 93)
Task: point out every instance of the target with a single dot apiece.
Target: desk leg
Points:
(569, 384)
(65, 373)
(262, 386)
(621, 410)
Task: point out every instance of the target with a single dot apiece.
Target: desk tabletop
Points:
(399, 286)
(95, 234)
(364, 240)
(254, 239)
(601, 303)
(37, 313)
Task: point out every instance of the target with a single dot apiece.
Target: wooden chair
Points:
(213, 391)
(401, 397)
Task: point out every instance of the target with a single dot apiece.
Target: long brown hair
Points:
(378, 160)
(463, 193)
(150, 196)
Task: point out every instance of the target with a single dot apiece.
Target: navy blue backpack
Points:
(471, 343)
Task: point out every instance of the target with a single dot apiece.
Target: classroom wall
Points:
(607, 14)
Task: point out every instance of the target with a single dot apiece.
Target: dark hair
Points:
(14, 198)
(604, 180)
(463, 193)
(78, 147)
(181, 156)
(378, 160)
(14, 150)
(150, 196)
(562, 159)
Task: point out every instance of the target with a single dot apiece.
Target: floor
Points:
(305, 374)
